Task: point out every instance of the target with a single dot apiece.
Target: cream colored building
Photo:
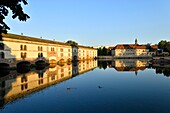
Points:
(17, 48)
(130, 50)
(86, 53)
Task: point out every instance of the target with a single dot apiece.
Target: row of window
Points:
(40, 81)
(40, 55)
(86, 51)
(61, 50)
(85, 55)
(24, 55)
(52, 49)
(23, 47)
(62, 54)
(40, 48)
(25, 86)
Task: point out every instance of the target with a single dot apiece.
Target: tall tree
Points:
(17, 11)
(149, 47)
(99, 51)
(72, 43)
(104, 52)
(161, 44)
(167, 47)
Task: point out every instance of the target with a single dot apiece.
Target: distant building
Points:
(130, 50)
(133, 50)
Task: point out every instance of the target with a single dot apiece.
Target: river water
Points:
(120, 86)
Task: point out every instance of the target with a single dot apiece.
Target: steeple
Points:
(136, 41)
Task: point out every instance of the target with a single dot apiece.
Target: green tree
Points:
(149, 47)
(162, 44)
(72, 43)
(167, 47)
(104, 51)
(99, 51)
(17, 11)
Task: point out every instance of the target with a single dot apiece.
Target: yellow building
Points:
(18, 48)
(130, 51)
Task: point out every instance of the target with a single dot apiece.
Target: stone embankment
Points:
(161, 62)
(113, 57)
(162, 58)
(105, 57)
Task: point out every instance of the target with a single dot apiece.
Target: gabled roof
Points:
(28, 38)
(130, 46)
(154, 46)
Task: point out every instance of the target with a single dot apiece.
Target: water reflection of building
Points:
(129, 64)
(84, 66)
(13, 87)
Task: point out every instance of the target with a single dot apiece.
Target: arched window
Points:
(25, 47)
(22, 55)
(25, 55)
(21, 47)
(2, 55)
(41, 48)
(23, 79)
(41, 54)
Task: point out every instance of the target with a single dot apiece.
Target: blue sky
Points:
(96, 22)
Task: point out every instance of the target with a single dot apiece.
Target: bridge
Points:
(19, 50)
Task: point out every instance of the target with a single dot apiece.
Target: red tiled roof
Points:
(154, 47)
(130, 46)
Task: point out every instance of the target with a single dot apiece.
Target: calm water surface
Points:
(86, 88)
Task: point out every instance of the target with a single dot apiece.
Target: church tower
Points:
(136, 41)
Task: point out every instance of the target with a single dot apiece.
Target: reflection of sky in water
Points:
(120, 92)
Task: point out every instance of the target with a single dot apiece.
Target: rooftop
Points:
(28, 38)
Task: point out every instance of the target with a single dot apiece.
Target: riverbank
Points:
(113, 57)
(161, 60)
